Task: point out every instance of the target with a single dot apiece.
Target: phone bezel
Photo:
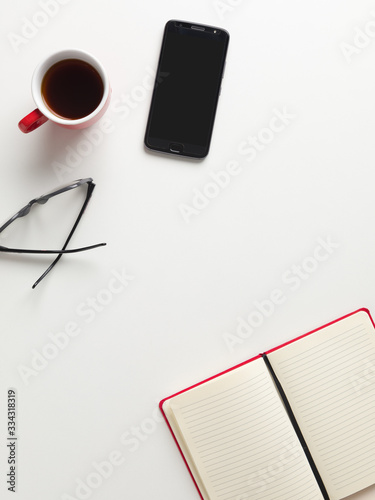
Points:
(197, 30)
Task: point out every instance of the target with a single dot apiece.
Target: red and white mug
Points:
(42, 113)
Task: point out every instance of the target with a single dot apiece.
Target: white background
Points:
(187, 284)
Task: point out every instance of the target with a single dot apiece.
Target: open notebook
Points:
(297, 422)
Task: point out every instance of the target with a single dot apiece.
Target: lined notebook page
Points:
(329, 380)
(238, 440)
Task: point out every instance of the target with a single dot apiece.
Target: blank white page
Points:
(238, 440)
(329, 380)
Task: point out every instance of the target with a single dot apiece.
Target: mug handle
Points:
(32, 121)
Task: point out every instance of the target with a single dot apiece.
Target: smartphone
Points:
(187, 88)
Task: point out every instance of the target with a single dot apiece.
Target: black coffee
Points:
(72, 89)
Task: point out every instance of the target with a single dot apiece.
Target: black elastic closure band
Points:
(296, 428)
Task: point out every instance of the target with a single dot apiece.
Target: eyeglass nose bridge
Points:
(24, 211)
(42, 200)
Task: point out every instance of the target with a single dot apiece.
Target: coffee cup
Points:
(70, 88)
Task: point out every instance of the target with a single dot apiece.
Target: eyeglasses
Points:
(41, 201)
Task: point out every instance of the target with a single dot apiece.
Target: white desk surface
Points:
(159, 307)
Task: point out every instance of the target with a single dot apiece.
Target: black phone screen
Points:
(186, 89)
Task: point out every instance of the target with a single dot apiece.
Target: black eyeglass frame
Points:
(41, 200)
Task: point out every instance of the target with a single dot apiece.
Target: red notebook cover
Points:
(244, 363)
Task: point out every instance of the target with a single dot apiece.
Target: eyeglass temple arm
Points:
(47, 252)
(90, 189)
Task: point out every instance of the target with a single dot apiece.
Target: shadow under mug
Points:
(42, 113)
